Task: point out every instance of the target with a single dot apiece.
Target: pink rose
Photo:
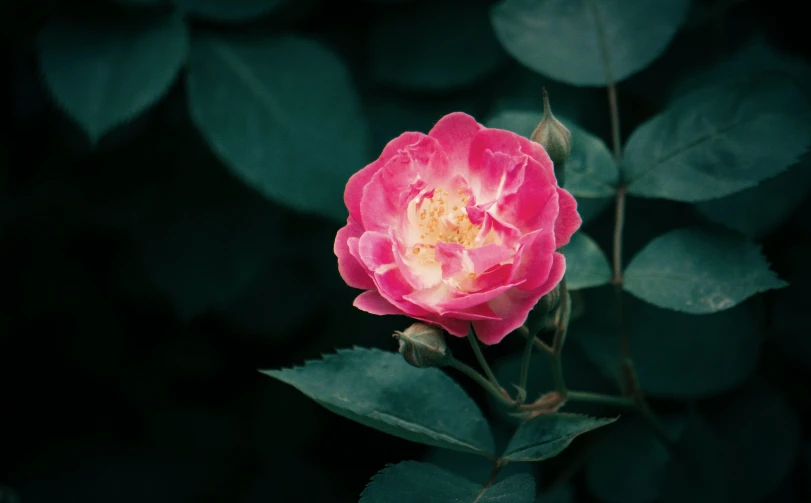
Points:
(456, 227)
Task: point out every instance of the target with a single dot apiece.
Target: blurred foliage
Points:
(171, 174)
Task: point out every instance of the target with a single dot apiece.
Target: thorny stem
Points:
(471, 337)
(481, 381)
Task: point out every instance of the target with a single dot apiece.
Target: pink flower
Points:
(456, 227)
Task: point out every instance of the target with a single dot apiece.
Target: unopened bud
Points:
(423, 346)
(554, 137)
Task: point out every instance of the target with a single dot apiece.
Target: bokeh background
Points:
(147, 277)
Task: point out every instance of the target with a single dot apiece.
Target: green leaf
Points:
(758, 451)
(562, 38)
(695, 470)
(548, 435)
(757, 211)
(628, 464)
(699, 271)
(228, 10)
(586, 265)
(105, 74)
(676, 355)
(283, 114)
(414, 482)
(415, 49)
(380, 390)
(719, 140)
(591, 174)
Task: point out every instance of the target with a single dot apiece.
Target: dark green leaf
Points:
(590, 170)
(228, 10)
(675, 354)
(105, 74)
(548, 435)
(699, 271)
(758, 449)
(628, 463)
(380, 390)
(757, 211)
(283, 115)
(478, 468)
(415, 48)
(695, 470)
(719, 140)
(586, 265)
(562, 39)
(414, 482)
(591, 175)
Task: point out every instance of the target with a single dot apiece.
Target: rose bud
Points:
(554, 137)
(423, 346)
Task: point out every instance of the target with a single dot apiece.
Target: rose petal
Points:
(533, 206)
(455, 327)
(372, 302)
(535, 259)
(375, 251)
(378, 212)
(511, 144)
(451, 257)
(486, 257)
(354, 187)
(416, 167)
(348, 266)
(508, 235)
(393, 286)
(568, 220)
(500, 174)
(454, 132)
(514, 305)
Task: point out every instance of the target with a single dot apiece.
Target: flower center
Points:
(443, 218)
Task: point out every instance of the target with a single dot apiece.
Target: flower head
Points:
(455, 227)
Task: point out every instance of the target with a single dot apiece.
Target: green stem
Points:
(522, 382)
(564, 312)
(495, 391)
(557, 374)
(474, 343)
(541, 345)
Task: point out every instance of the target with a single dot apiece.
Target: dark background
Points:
(122, 380)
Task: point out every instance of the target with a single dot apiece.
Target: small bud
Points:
(554, 137)
(423, 346)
